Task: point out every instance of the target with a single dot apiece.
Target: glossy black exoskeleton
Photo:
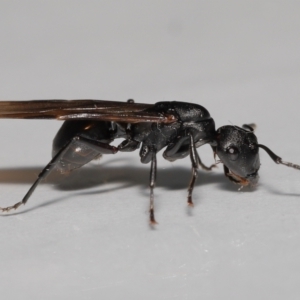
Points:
(177, 127)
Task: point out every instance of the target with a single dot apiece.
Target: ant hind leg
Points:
(95, 146)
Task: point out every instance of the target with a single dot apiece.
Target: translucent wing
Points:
(100, 110)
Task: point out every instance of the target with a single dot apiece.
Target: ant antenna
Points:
(250, 127)
(277, 159)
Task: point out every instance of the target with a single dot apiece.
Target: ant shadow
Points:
(87, 177)
(172, 178)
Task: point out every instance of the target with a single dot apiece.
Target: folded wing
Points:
(100, 110)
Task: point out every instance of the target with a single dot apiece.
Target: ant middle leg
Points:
(152, 185)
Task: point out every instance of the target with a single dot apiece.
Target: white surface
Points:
(88, 237)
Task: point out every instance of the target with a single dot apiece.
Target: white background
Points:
(87, 236)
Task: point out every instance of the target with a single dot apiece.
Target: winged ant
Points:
(91, 125)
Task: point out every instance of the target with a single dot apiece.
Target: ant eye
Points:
(233, 152)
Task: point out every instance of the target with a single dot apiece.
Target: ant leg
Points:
(203, 166)
(194, 161)
(101, 148)
(152, 184)
(128, 145)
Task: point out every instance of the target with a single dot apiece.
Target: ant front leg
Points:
(203, 166)
(98, 147)
(194, 161)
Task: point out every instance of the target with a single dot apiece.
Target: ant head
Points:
(237, 148)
